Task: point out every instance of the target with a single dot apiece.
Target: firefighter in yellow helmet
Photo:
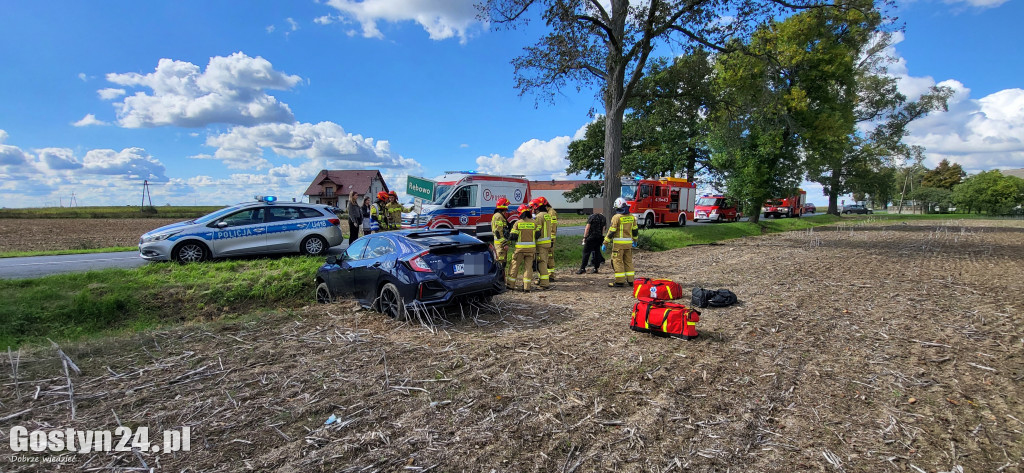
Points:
(379, 212)
(524, 233)
(543, 241)
(622, 233)
(554, 231)
(500, 230)
(394, 211)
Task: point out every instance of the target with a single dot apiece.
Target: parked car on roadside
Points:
(260, 227)
(856, 209)
(395, 272)
(810, 209)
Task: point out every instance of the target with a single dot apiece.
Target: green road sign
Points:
(420, 187)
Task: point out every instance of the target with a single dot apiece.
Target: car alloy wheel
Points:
(323, 294)
(391, 303)
(314, 246)
(190, 253)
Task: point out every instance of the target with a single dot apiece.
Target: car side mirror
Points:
(332, 259)
(222, 224)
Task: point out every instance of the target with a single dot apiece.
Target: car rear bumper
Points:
(439, 292)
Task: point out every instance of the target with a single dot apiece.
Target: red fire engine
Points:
(792, 206)
(659, 201)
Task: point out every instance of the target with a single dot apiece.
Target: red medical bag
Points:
(664, 318)
(663, 289)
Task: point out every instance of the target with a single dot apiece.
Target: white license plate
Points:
(460, 268)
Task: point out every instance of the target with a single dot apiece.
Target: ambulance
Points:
(465, 200)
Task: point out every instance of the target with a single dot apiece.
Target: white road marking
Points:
(70, 262)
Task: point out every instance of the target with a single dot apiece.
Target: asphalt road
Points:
(37, 266)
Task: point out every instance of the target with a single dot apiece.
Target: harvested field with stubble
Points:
(911, 359)
(46, 234)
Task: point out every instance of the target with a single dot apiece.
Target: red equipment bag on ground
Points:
(662, 318)
(661, 289)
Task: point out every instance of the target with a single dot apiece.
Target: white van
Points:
(466, 200)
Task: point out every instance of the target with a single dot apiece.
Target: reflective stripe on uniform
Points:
(544, 276)
(631, 273)
(621, 240)
(528, 244)
(620, 275)
(547, 240)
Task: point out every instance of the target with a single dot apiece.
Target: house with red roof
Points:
(332, 187)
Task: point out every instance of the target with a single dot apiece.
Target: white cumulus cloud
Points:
(110, 93)
(324, 142)
(535, 159)
(231, 90)
(58, 158)
(978, 3)
(979, 134)
(88, 120)
(441, 19)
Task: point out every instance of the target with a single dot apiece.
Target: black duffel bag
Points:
(711, 297)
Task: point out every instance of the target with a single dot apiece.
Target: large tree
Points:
(944, 176)
(589, 44)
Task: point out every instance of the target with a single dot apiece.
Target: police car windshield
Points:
(628, 192)
(215, 215)
(442, 193)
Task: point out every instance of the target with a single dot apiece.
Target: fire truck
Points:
(792, 206)
(716, 208)
(666, 200)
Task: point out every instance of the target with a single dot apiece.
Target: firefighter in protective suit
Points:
(551, 220)
(524, 233)
(543, 241)
(379, 211)
(394, 211)
(500, 230)
(622, 233)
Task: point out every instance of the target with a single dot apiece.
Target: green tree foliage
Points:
(944, 176)
(933, 199)
(989, 192)
(607, 43)
(665, 129)
(847, 91)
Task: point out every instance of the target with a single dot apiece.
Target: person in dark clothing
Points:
(593, 235)
(366, 216)
(355, 217)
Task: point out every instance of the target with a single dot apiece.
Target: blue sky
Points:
(217, 101)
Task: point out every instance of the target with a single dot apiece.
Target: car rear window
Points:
(308, 212)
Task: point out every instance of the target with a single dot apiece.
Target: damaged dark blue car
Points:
(396, 272)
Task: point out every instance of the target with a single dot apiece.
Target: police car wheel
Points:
(323, 294)
(314, 245)
(390, 302)
(190, 252)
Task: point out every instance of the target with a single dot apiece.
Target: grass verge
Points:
(69, 306)
(109, 249)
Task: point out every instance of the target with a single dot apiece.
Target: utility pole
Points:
(146, 194)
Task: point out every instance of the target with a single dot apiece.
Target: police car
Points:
(263, 226)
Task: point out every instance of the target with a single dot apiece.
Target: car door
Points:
(342, 281)
(467, 207)
(285, 228)
(240, 232)
(378, 258)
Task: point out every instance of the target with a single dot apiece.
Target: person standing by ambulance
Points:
(543, 242)
(499, 229)
(553, 220)
(524, 233)
(622, 233)
(394, 211)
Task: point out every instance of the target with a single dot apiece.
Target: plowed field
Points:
(44, 234)
(867, 348)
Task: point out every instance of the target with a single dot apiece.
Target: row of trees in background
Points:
(782, 91)
(946, 187)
